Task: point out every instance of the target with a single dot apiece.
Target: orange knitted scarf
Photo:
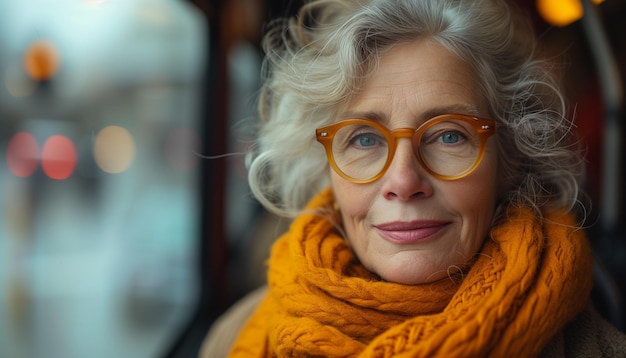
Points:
(528, 281)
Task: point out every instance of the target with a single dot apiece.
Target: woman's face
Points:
(409, 227)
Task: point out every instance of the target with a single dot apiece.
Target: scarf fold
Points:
(526, 284)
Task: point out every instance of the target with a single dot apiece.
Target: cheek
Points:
(478, 196)
(475, 208)
(353, 199)
(474, 197)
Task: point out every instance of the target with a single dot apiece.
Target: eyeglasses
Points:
(448, 146)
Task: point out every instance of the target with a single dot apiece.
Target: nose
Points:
(405, 178)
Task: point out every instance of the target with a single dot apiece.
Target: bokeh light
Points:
(114, 149)
(58, 157)
(41, 60)
(23, 154)
(561, 12)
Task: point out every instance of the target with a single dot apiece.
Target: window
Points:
(100, 209)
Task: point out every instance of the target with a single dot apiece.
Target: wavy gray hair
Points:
(315, 63)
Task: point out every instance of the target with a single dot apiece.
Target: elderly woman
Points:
(425, 154)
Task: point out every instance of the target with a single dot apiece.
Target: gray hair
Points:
(315, 63)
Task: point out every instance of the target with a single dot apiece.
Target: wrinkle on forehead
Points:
(382, 117)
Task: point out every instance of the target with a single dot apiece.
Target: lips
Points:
(412, 232)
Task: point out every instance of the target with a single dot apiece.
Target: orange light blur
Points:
(561, 12)
(58, 157)
(41, 60)
(23, 154)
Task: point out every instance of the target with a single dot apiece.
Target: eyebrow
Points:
(381, 117)
(467, 109)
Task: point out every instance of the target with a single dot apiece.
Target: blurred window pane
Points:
(99, 175)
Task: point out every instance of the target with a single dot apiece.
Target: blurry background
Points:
(100, 119)
(124, 231)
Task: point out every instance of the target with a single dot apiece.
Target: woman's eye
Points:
(361, 137)
(450, 137)
(366, 141)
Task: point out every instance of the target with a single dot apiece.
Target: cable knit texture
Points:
(529, 280)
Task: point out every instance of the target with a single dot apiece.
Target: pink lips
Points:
(410, 232)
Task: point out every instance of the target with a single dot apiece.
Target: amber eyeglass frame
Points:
(484, 127)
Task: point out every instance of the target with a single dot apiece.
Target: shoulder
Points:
(589, 335)
(225, 329)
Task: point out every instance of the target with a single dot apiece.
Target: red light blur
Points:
(58, 157)
(23, 154)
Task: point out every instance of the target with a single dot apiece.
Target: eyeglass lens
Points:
(447, 148)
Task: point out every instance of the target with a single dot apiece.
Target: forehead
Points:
(416, 80)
